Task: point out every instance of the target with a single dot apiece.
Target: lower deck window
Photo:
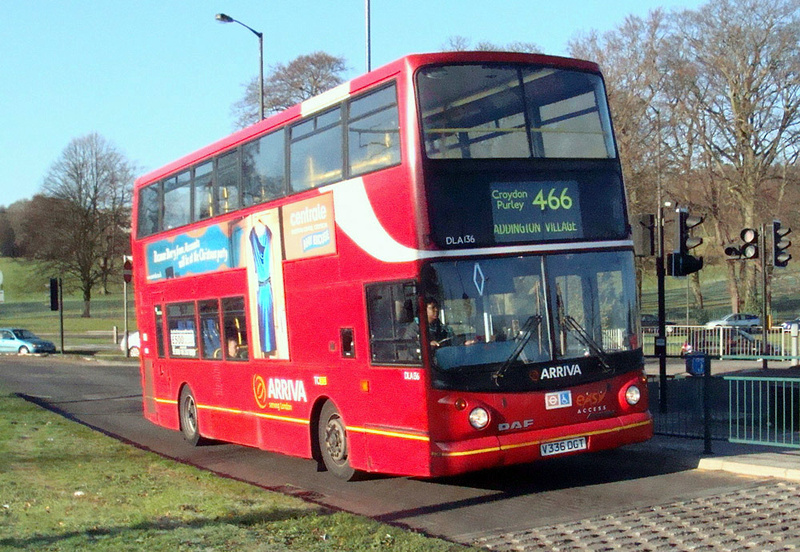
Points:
(182, 330)
(235, 327)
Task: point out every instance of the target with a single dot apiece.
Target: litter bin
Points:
(697, 364)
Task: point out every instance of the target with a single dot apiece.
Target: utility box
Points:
(697, 364)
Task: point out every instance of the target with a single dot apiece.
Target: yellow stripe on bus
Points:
(256, 414)
(163, 401)
(500, 448)
(416, 437)
(354, 429)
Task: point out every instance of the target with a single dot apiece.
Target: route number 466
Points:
(553, 200)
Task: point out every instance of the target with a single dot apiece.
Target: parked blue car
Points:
(23, 342)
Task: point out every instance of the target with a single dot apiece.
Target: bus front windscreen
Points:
(492, 111)
(504, 315)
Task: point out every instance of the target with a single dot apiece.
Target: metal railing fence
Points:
(741, 409)
(764, 410)
(723, 342)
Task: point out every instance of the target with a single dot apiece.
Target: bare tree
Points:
(459, 43)
(631, 59)
(708, 103)
(285, 85)
(736, 65)
(78, 226)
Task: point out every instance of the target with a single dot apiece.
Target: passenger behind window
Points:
(235, 345)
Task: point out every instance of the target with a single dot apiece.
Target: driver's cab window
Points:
(391, 310)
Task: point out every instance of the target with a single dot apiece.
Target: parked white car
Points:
(736, 320)
(132, 344)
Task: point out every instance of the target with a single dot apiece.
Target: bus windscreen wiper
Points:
(526, 332)
(587, 341)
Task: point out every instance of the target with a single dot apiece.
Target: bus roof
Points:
(338, 93)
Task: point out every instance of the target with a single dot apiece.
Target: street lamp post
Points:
(222, 18)
(368, 36)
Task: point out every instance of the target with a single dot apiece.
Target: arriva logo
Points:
(564, 371)
(287, 390)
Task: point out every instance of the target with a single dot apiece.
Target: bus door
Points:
(397, 417)
(155, 373)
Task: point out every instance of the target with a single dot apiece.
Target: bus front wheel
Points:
(188, 415)
(333, 443)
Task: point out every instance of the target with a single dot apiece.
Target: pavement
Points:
(742, 459)
(749, 460)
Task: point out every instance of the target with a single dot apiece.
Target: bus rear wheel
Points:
(187, 410)
(333, 443)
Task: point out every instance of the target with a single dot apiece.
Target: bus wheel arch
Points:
(187, 416)
(331, 442)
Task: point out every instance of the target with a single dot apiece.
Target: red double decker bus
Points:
(425, 271)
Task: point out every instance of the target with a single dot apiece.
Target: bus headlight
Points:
(633, 395)
(479, 418)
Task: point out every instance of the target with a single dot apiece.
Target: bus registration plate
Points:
(561, 447)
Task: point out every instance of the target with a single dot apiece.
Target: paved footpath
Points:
(763, 517)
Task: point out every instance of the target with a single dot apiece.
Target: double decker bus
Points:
(426, 271)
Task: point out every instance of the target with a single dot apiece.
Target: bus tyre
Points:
(187, 410)
(333, 443)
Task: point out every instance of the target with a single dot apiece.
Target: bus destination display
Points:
(533, 211)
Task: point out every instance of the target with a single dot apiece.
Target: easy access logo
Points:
(559, 399)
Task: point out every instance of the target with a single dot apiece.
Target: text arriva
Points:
(287, 390)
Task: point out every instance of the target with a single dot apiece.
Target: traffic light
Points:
(681, 263)
(685, 240)
(779, 245)
(53, 294)
(644, 235)
(749, 243)
(748, 249)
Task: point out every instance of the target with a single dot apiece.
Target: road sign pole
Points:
(125, 311)
(127, 274)
(661, 338)
(764, 313)
(61, 310)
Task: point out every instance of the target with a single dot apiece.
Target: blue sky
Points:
(158, 78)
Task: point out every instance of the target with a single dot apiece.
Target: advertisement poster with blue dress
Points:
(262, 254)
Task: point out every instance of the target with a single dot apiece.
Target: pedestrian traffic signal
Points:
(779, 245)
(681, 263)
(749, 246)
(748, 249)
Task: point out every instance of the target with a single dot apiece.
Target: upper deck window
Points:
(263, 171)
(178, 200)
(316, 151)
(373, 132)
(149, 209)
(507, 111)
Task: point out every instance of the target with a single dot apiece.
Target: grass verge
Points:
(66, 487)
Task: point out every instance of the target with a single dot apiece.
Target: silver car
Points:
(736, 320)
